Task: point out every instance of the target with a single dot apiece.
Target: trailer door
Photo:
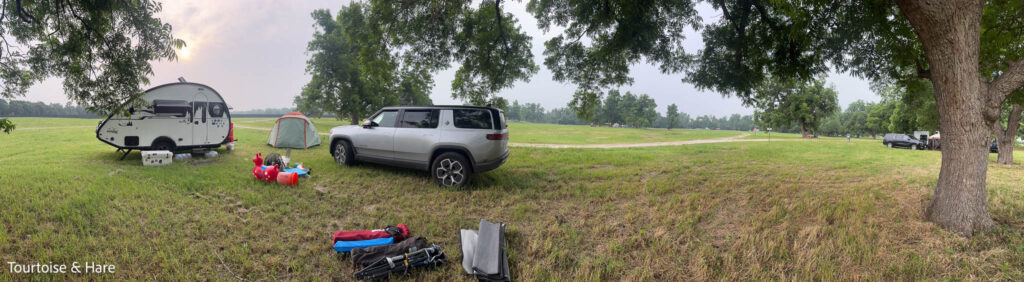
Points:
(199, 119)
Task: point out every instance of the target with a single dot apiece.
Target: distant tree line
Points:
(16, 108)
(533, 112)
(267, 111)
(897, 112)
(628, 110)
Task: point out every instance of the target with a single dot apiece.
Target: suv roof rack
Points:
(441, 106)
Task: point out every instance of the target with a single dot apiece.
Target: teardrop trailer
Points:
(176, 116)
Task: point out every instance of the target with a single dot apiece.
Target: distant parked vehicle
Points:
(994, 148)
(896, 140)
(451, 142)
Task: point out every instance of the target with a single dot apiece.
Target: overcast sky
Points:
(254, 53)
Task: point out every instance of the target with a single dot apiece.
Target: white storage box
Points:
(150, 158)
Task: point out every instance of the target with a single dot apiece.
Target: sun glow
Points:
(185, 53)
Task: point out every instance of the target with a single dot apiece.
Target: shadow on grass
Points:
(505, 178)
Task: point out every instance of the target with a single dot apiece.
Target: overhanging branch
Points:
(24, 14)
(1006, 83)
(3, 12)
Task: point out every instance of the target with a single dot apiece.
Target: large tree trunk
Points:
(949, 32)
(354, 118)
(803, 129)
(1004, 137)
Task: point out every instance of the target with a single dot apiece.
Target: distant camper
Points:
(177, 116)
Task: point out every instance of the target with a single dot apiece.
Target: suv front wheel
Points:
(342, 152)
(451, 169)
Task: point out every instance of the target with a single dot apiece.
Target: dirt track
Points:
(653, 144)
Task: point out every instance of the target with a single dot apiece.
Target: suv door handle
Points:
(197, 122)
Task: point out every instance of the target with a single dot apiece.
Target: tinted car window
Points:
(420, 119)
(386, 119)
(472, 118)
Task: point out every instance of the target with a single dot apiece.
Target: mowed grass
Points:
(542, 133)
(810, 210)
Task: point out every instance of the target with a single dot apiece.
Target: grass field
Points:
(813, 210)
(777, 135)
(540, 133)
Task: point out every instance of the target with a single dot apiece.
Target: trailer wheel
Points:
(163, 145)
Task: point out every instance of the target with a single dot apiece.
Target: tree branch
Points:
(1005, 83)
(80, 19)
(23, 14)
(501, 28)
(1014, 122)
(764, 14)
(3, 13)
(725, 11)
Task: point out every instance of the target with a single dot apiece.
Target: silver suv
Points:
(451, 142)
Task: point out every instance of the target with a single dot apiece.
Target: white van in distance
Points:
(177, 116)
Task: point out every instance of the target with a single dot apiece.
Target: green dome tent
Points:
(293, 131)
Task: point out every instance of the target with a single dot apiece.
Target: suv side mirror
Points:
(368, 124)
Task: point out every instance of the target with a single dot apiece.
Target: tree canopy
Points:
(602, 39)
(101, 49)
(782, 102)
(881, 40)
(672, 117)
(354, 71)
(488, 44)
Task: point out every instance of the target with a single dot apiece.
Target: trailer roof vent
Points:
(181, 79)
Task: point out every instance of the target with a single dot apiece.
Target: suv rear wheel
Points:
(451, 169)
(342, 152)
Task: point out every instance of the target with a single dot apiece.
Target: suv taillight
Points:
(497, 136)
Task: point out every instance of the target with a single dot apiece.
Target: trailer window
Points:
(216, 110)
(199, 110)
(178, 108)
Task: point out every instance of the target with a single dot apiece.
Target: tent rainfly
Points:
(293, 131)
